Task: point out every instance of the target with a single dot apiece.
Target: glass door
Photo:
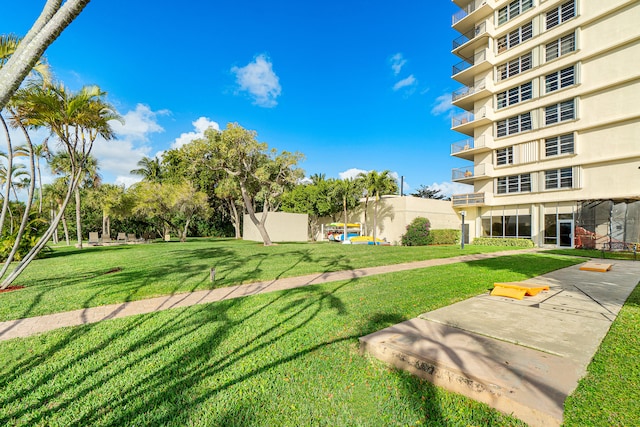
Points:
(565, 233)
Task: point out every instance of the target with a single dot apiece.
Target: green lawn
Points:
(69, 278)
(284, 358)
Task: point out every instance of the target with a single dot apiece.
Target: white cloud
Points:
(259, 80)
(118, 157)
(451, 188)
(138, 124)
(397, 62)
(127, 181)
(442, 105)
(408, 82)
(200, 125)
(351, 173)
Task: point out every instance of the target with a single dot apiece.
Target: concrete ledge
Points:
(526, 383)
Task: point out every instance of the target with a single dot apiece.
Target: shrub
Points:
(444, 236)
(417, 233)
(490, 241)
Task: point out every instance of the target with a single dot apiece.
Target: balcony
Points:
(467, 148)
(467, 121)
(475, 10)
(467, 175)
(465, 70)
(469, 42)
(466, 96)
(469, 199)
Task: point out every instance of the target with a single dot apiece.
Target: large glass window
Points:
(501, 226)
(560, 112)
(513, 9)
(557, 145)
(515, 37)
(560, 79)
(515, 95)
(560, 14)
(514, 125)
(560, 47)
(558, 178)
(513, 184)
(515, 67)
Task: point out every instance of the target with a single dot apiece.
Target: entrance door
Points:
(565, 233)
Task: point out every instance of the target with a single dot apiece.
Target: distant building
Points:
(551, 99)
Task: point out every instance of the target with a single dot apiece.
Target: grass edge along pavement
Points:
(283, 358)
(70, 279)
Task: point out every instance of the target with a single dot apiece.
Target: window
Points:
(560, 79)
(515, 67)
(513, 125)
(560, 112)
(558, 145)
(507, 226)
(561, 14)
(513, 9)
(515, 37)
(560, 47)
(514, 184)
(514, 95)
(504, 156)
(558, 178)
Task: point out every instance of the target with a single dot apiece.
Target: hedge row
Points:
(490, 241)
(444, 237)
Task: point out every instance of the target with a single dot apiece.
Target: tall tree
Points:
(76, 120)
(347, 191)
(149, 169)
(55, 17)
(61, 165)
(426, 192)
(376, 185)
(262, 175)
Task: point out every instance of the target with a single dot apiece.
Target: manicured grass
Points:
(594, 253)
(284, 358)
(609, 393)
(70, 279)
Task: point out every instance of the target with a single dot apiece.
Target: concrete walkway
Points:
(522, 357)
(35, 325)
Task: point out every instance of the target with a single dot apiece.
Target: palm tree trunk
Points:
(52, 21)
(27, 208)
(375, 217)
(7, 193)
(78, 219)
(43, 239)
(65, 228)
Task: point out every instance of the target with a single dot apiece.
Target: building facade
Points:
(550, 113)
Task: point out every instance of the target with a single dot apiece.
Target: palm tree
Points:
(346, 190)
(376, 185)
(150, 169)
(8, 46)
(40, 151)
(52, 21)
(76, 120)
(61, 165)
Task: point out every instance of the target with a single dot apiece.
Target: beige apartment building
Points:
(550, 113)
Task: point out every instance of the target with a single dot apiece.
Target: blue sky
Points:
(353, 85)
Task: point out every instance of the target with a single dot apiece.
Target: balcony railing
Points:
(468, 117)
(470, 8)
(467, 144)
(470, 35)
(471, 172)
(468, 90)
(470, 62)
(469, 199)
